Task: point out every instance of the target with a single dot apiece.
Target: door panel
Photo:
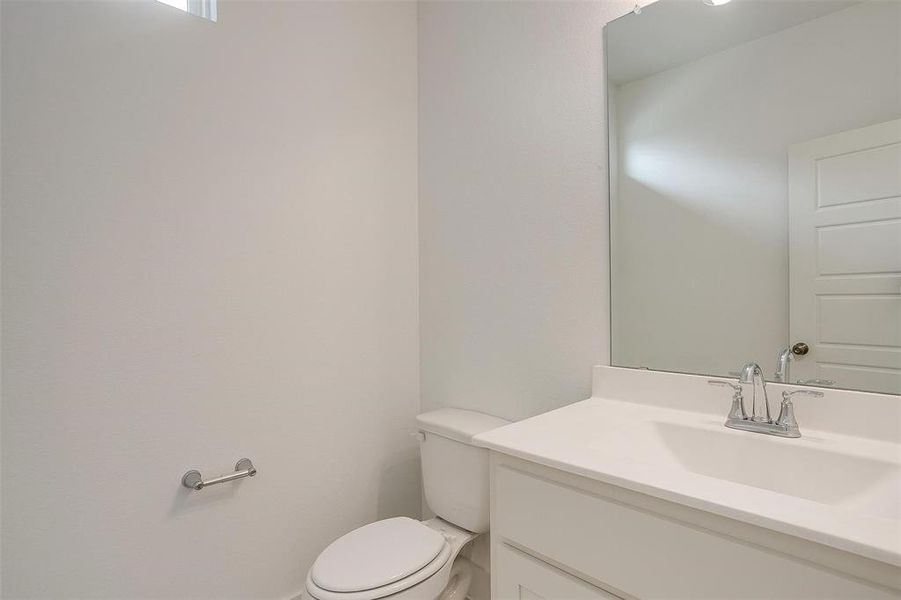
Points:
(860, 248)
(859, 319)
(859, 176)
(845, 257)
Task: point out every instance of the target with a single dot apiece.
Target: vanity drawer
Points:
(523, 577)
(646, 555)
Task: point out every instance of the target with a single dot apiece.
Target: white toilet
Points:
(418, 560)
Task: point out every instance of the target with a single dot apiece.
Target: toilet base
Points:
(460, 579)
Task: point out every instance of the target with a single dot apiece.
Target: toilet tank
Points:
(454, 471)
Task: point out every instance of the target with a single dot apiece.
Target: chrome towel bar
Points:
(243, 468)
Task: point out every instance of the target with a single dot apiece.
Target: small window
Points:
(201, 8)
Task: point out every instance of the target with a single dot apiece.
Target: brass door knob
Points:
(800, 349)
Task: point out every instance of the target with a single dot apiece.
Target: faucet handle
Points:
(738, 402)
(786, 417)
(787, 394)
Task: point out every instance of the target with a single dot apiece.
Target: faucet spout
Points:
(751, 374)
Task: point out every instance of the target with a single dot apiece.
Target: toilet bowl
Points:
(408, 559)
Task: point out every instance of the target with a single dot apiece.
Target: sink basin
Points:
(783, 466)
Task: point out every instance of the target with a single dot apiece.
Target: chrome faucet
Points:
(759, 420)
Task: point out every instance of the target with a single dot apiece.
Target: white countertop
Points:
(839, 490)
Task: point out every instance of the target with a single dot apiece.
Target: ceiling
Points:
(668, 33)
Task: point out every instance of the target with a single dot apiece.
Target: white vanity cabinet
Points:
(519, 575)
(560, 536)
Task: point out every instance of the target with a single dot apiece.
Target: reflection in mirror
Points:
(755, 161)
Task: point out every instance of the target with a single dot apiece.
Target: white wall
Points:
(700, 281)
(512, 196)
(209, 252)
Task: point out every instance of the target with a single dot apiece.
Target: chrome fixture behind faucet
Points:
(786, 356)
(783, 367)
(759, 420)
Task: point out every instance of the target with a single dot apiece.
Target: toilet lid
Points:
(376, 555)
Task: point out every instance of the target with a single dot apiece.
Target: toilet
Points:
(418, 560)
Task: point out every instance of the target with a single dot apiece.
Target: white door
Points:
(845, 258)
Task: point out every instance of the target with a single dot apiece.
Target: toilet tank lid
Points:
(458, 424)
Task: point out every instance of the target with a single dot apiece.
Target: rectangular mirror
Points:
(755, 189)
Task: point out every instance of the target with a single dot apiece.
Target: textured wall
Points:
(209, 252)
(513, 203)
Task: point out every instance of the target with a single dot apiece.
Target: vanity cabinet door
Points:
(519, 576)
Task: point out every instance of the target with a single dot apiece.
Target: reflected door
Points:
(845, 258)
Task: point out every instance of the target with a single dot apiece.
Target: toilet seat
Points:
(378, 560)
